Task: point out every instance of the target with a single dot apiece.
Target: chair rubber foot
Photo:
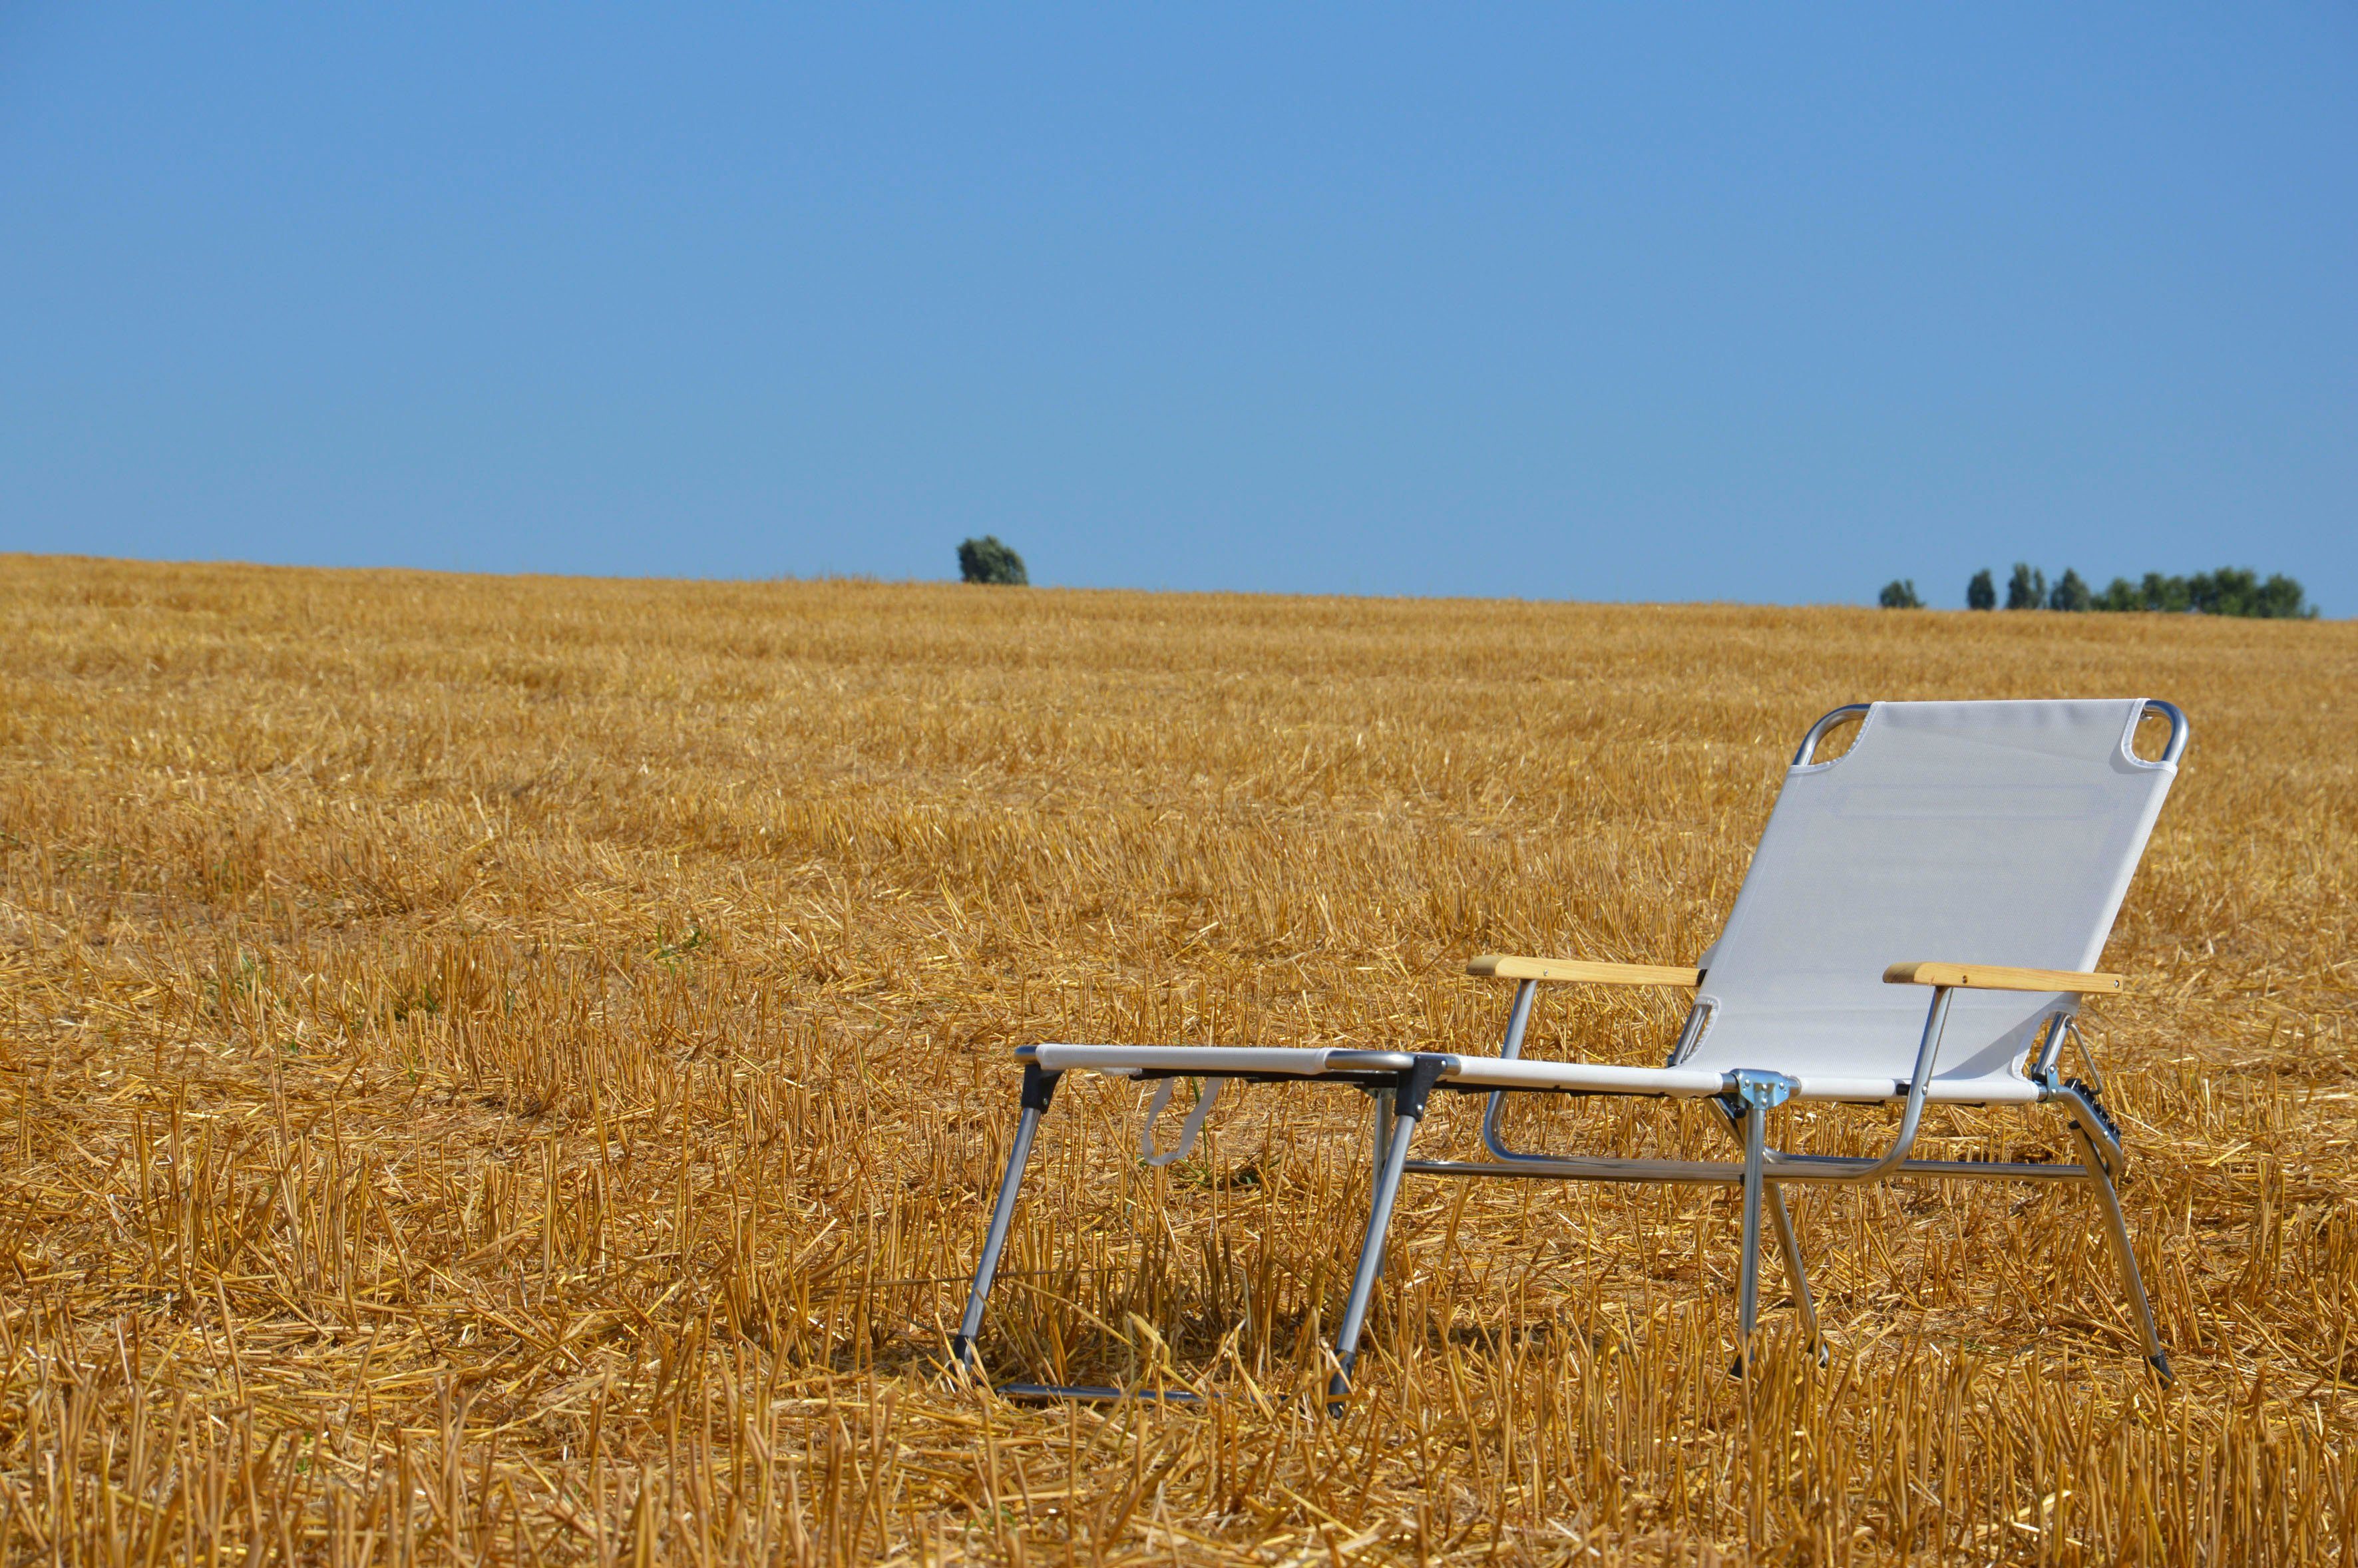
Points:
(2160, 1364)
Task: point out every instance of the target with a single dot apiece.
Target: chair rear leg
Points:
(1039, 1087)
(2116, 1231)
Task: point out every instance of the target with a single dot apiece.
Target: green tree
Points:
(2227, 592)
(1899, 593)
(1982, 593)
(2230, 590)
(987, 560)
(2026, 588)
(2281, 599)
(2072, 593)
(2120, 594)
(2238, 590)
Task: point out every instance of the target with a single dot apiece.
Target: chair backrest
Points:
(1999, 833)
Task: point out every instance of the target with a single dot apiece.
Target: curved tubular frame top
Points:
(2179, 730)
(1824, 726)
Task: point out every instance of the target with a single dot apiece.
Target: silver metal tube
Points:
(1518, 1020)
(2116, 1231)
(1783, 1168)
(1747, 1295)
(1818, 731)
(1690, 1032)
(1001, 1216)
(2087, 1057)
(1928, 1053)
(2049, 1049)
(1792, 1247)
(1372, 1260)
(2179, 731)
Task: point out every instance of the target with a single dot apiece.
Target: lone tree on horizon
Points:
(987, 560)
(1982, 593)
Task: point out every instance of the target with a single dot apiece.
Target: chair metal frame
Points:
(1402, 1084)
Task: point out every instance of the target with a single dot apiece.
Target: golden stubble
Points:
(511, 1070)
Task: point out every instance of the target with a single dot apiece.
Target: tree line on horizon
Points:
(2230, 590)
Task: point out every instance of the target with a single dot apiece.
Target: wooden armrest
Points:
(1508, 968)
(1991, 978)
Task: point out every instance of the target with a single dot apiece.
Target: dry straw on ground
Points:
(510, 1071)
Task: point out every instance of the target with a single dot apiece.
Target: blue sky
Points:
(1626, 303)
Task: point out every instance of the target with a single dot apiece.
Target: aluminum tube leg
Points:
(1747, 1298)
(1371, 1263)
(1751, 1094)
(1038, 1086)
(2116, 1231)
(1407, 1113)
(1792, 1247)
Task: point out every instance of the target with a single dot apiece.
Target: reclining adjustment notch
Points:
(2096, 1106)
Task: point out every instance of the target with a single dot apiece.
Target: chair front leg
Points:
(1039, 1087)
(1406, 1114)
(1754, 1093)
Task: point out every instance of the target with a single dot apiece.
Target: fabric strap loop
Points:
(1187, 1128)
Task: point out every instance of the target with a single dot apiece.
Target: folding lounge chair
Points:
(1977, 849)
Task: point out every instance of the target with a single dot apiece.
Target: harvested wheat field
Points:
(514, 1070)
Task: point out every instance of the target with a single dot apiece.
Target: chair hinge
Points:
(1764, 1090)
(1039, 1086)
(1412, 1087)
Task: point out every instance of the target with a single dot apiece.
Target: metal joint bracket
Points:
(1416, 1085)
(1751, 1088)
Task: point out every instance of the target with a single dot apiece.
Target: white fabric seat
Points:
(1968, 832)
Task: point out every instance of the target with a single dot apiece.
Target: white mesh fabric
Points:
(1998, 833)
